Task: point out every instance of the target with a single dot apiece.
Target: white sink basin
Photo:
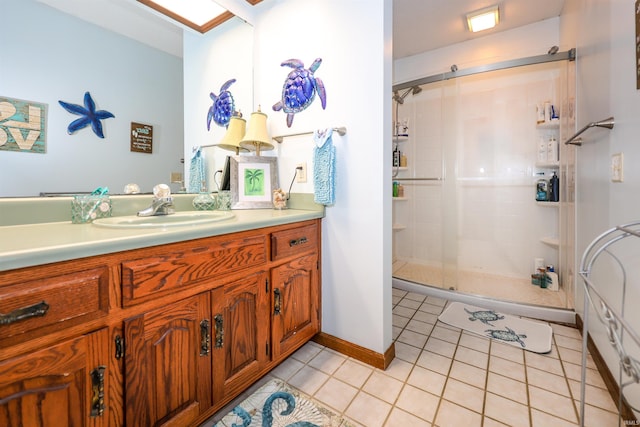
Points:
(177, 219)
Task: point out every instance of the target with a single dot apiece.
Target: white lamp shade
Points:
(257, 137)
(235, 133)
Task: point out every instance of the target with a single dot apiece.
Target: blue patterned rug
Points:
(277, 404)
(526, 334)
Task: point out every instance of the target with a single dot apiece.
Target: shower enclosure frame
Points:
(566, 247)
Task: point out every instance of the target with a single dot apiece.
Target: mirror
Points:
(50, 56)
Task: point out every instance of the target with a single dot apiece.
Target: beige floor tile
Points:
(307, 352)
(419, 327)
(308, 380)
(430, 308)
(488, 422)
(508, 388)
(548, 381)
(464, 395)
(437, 301)
(595, 396)
(427, 380)
(327, 361)
(574, 372)
(415, 296)
(567, 342)
(435, 362)
(575, 357)
(400, 418)
(412, 304)
(404, 311)
(508, 352)
(507, 368)
(383, 387)
(566, 331)
(472, 357)
(452, 415)
(368, 410)
(542, 419)
(399, 369)
(418, 402)
(353, 373)
(446, 334)
(468, 374)
(399, 321)
(413, 338)
(506, 411)
(336, 394)
(286, 369)
(396, 332)
(440, 347)
(474, 342)
(406, 352)
(596, 417)
(552, 403)
(426, 317)
(543, 362)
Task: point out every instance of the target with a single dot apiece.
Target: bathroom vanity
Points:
(152, 327)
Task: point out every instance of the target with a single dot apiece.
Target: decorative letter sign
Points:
(22, 125)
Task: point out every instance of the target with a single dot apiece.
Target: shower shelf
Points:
(400, 138)
(551, 241)
(548, 204)
(549, 125)
(397, 227)
(400, 199)
(547, 164)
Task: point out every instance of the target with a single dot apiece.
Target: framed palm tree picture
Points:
(253, 179)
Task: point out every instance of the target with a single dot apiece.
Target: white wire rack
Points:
(622, 336)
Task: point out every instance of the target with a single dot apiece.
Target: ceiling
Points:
(418, 25)
(423, 25)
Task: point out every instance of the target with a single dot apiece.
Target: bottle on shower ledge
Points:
(554, 188)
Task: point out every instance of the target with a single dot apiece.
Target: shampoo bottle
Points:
(554, 188)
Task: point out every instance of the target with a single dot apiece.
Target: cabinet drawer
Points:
(152, 276)
(37, 307)
(294, 241)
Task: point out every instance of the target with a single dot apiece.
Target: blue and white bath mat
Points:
(512, 330)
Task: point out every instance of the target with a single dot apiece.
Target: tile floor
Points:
(443, 376)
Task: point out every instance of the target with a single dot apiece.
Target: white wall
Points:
(606, 86)
(49, 56)
(353, 39)
(210, 60)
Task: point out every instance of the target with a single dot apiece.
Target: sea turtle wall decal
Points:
(484, 316)
(223, 106)
(300, 89)
(508, 335)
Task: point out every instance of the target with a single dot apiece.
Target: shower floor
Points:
(483, 284)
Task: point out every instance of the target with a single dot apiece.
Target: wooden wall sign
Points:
(22, 125)
(141, 138)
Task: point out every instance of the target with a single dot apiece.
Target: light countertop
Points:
(25, 245)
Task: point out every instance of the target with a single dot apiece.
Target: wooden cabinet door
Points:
(167, 364)
(240, 333)
(295, 304)
(54, 386)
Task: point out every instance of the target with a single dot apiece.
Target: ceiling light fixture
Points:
(483, 19)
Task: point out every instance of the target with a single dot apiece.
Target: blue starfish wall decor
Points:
(89, 115)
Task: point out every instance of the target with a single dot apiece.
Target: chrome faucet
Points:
(162, 202)
(159, 206)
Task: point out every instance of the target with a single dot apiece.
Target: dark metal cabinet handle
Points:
(97, 385)
(219, 331)
(37, 310)
(205, 338)
(277, 303)
(296, 242)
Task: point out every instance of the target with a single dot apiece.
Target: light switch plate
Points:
(302, 172)
(617, 167)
